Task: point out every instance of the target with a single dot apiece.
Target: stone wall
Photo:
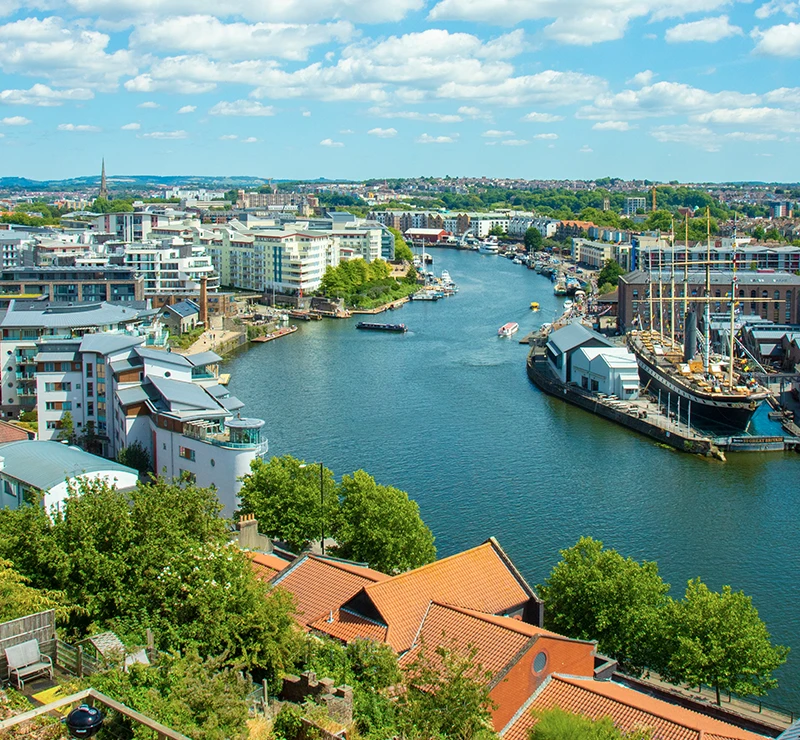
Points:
(337, 699)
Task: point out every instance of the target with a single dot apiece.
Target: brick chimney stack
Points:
(204, 301)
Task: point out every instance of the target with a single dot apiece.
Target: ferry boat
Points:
(506, 330)
(397, 328)
(488, 247)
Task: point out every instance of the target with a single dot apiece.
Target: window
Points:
(186, 453)
(540, 662)
(89, 371)
(595, 385)
(52, 425)
(49, 367)
(188, 475)
(90, 408)
(66, 367)
(90, 389)
(584, 382)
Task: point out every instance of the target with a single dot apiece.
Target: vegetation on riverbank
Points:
(366, 284)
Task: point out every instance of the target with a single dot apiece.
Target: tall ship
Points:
(715, 390)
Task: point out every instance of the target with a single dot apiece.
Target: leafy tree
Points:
(136, 456)
(659, 221)
(157, 557)
(610, 273)
(285, 498)
(557, 724)
(606, 288)
(17, 598)
(773, 235)
(596, 594)
(380, 525)
(718, 639)
(204, 699)
(533, 240)
(401, 249)
(759, 233)
(66, 428)
(447, 696)
(497, 230)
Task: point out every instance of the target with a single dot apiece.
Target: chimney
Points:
(204, 301)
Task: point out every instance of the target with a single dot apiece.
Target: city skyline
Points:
(659, 89)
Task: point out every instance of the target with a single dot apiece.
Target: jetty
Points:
(380, 309)
(277, 334)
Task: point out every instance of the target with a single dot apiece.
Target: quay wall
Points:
(540, 375)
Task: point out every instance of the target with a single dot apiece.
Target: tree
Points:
(381, 526)
(759, 233)
(284, 494)
(18, 599)
(610, 273)
(497, 230)
(447, 696)
(204, 699)
(137, 457)
(401, 249)
(659, 221)
(66, 428)
(773, 235)
(557, 724)
(596, 594)
(718, 639)
(533, 240)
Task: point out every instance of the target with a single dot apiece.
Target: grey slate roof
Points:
(695, 277)
(181, 396)
(106, 343)
(135, 394)
(68, 317)
(574, 335)
(199, 359)
(173, 358)
(46, 464)
(184, 308)
(125, 364)
(55, 357)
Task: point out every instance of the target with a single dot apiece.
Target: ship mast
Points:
(707, 327)
(686, 272)
(733, 305)
(660, 293)
(672, 286)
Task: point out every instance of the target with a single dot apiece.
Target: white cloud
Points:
(777, 6)
(383, 133)
(306, 114)
(146, 83)
(44, 96)
(427, 139)
(206, 34)
(330, 142)
(585, 149)
(187, 109)
(289, 11)
(612, 126)
(778, 41)
(241, 108)
(166, 135)
(347, 131)
(228, 137)
(475, 113)
(696, 136)
(764, 116)
(709, 30)
(416, 115)
(545, 136)
(495, 134)
(249, 140)
(641, 78)
(662, 99)
(514, 142)
(542, 118)
(131, 127)
(16, 121)
(148, 104)
(750, 136)
(82, 127)
(67, 54)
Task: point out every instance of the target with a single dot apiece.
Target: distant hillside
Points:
(133, 182)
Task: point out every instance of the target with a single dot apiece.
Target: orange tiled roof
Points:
(12, 433)
(497, 640)
(481, 578)
(266, 566)
(346, 626)
(627, 708)
(321, 585)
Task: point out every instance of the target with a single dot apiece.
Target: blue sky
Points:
(660, 89)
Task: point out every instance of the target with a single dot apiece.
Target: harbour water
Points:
(447, 413)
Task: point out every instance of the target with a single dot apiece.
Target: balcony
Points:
(237, 434)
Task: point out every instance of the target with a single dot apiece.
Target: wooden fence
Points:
(72, 659)
(41, 626)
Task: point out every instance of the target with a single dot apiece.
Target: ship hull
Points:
(710, 414)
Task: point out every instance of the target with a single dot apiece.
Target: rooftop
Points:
(574, 335)
(46, 464)
(718, 277)
(59, 316)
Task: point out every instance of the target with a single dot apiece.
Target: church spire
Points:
(103, 183)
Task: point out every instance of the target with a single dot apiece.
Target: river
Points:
(446, 412)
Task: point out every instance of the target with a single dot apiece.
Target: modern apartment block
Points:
(169, 403)
(171, 267)
(72, 284)
(748, 256)
(634, 205)
(27, 322)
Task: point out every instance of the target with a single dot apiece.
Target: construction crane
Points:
(653, 192)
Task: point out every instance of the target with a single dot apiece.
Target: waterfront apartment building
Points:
(306, 204)
(518, 225)
(132, 226)
(26, 322)
(593, 254)
(171, 267)
(169, 403)
(72, 284)
(771, 295)
(748, 256)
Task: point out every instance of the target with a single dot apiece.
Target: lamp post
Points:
(321, 504)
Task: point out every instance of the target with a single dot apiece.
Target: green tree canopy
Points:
(18, 599)
(610, 273)
(718, 639)
(533, 240)
(557, 724)
(285, 496)
(759, 233)
(596, 594)
(401, 249)
(136, 456)
(381, 526)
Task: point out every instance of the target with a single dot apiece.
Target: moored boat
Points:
(371, 326)
(534, 306)
(506, 330)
